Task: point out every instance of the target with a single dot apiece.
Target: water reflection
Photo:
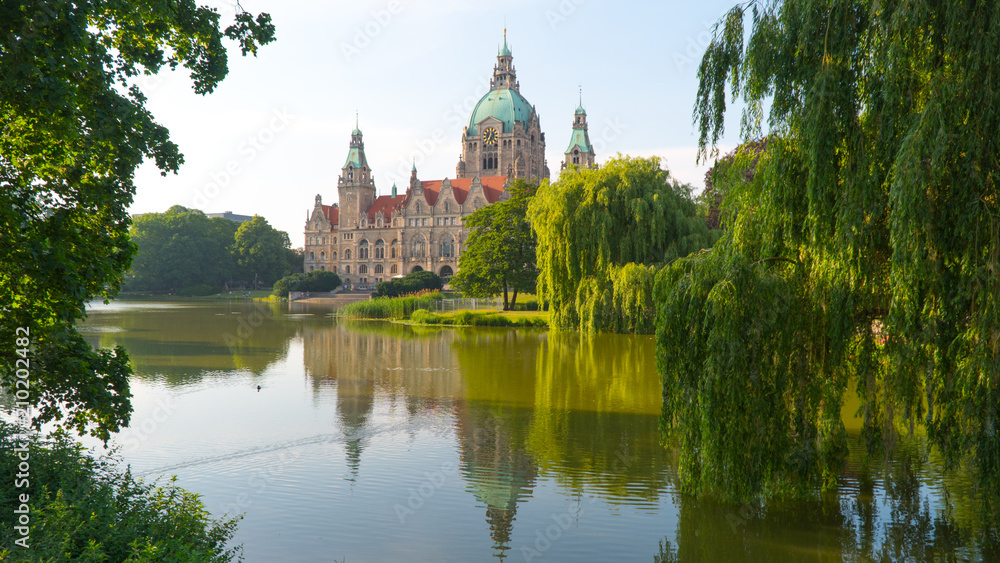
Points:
(534, 419)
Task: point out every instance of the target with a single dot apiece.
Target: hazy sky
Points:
(276, 131)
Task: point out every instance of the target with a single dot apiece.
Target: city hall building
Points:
(367, 238)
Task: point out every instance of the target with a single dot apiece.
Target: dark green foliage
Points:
(865, 247)
(316, 280)
(499, 255)
(200, 290)
(411, 283)
(85, 509)
(180, 248)
(74, 131)
(261, 251)
(593, 222)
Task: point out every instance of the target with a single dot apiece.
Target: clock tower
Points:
(504, 136)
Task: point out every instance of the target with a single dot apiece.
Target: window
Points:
(418, 207)
(334, 240)
(324, 240)
(378, 269)
(362, 269)
(446, 247)
(333, 269)
(334, 255)
(394, 270)
(419, 247)
(409, 222)
(452, 220)
(347, 269)
(310, 268)
(379, 250)
(438, 221)
(447, 207)
(323, 268)
(347, 254)
(423, 222)
(363, 250)
(312, 255)
(322, 255)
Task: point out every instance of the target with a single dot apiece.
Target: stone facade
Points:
(368, 238)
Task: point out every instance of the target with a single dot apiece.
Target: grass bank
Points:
(417, 310)
(477, 318)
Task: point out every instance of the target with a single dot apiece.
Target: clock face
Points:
(490, 136)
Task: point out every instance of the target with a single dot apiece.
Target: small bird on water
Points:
(258, 388)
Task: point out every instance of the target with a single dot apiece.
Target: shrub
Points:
(412, 283)
(85, 509)
(389, 307)
(316, 280)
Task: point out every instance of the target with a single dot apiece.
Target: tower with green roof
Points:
(355, 185)
(580, 153)
(503, 136)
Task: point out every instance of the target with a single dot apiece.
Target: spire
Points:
(394, 189)
(503, 73)
(579, 109)
(357, 129)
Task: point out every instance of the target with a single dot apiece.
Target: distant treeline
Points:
(184, 250)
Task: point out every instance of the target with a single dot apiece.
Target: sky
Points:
(276, 131)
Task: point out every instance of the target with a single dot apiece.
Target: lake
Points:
(372, 441)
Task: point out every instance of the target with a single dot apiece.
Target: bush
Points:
(85, 509)
(316, 280)
(412, 283)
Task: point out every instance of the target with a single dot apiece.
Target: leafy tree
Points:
(261, 251)
(74, 131)
(593, 221)
(865, 249)
(180, 248)
(499, 255)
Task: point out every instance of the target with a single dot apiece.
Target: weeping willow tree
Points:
(864, 250)
(597, 229)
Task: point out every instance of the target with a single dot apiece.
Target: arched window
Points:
(350, 172)
(446, 246)
(347, 254)
(362, 269)
(447, 272)
(322, 255)
(334, 240)
(447, 207)
(324, 240)
(418, 207)
(363, 250)
(312, 255)
(334, 255)
(322, 268)
(393, 250)
(379, 250)
(347, 269)
(379, 269)
(333, 269)
(394, 269)
(419, 247)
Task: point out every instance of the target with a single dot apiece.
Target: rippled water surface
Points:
(380, 442)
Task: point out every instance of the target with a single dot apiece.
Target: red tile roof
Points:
(388, 205)
(492, 188)
(332, 214)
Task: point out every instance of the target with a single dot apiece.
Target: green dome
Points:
(580, 111)
(504, 104)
